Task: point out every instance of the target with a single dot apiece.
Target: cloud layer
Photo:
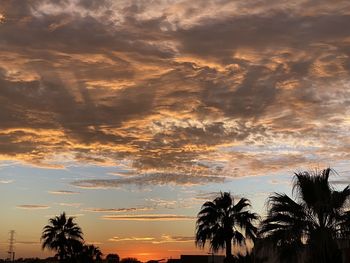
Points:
(148, 217)
(32, 207)
(153, 240)
(183, 93)
(63, 192)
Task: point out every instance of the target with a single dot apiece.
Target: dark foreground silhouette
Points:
(314, 226)
(222, 222)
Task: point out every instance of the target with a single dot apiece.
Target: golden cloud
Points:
(148, 217)
(32, 207)
(117, 210)
(63, 192)
(180, 91)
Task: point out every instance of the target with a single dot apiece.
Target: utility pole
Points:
(11, 252)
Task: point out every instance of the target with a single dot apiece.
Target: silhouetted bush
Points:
(112, 258)
(130, 260)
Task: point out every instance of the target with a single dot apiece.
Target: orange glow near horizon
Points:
(145, 253)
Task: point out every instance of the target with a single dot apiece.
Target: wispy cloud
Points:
(209, 196)
(20, 242)
(63, 192)
(280, 182)
(96, 243)
(32, 207)
(154, 240)
(6, 181)
(201, 196)
(169, 204)
(148, 217)
(174, 239)
(149, 179)
(142, 239)
(69, 215)
(70, 204)
(158, 202)
(117, 210)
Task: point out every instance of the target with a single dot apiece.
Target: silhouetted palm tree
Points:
(222, 222)
(90, 253)
(313, 224)
(62, 235)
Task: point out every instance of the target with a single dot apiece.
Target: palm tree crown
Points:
(312, 224)
(90, 253)
(222, 222)
(63, 235)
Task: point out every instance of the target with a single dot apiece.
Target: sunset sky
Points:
(129, 114)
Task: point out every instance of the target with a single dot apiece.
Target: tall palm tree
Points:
(312, 225)
(222, 222)
(63, 235)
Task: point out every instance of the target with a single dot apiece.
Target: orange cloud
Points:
(117, 210)
(63, 192)
(153, 240)
(179, 90)
(32, 207)
(148, 217)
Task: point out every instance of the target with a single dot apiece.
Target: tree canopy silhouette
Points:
(62, 235)
(130, 260)
(222, 222)
(112, 258)
(312, 225)
(89, 254)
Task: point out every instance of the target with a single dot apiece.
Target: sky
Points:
(130, 114)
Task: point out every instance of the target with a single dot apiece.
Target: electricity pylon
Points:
(11, 252)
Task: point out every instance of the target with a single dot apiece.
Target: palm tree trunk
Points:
(62, 259)
(61, 254)
(228, 249)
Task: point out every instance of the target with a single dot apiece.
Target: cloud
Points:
(153, 240)
(6, 181)
(117, 210)
(157, 202)
(151, 204)
(205, 196)
(149, 179)
(63, 192)
(70, 204)
(19, 242)
(148, 217)
(185, 95)
(32, 207)
(280, 182)
(174, 239)
(344, 179)
(96, 243)
(70, 215)
(142, 239)
(168, 204)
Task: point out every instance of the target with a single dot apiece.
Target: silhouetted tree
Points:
(130, 260)
(112, 258)
(89, 254)
(62, 235)
(310, 226)
(222, 222)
